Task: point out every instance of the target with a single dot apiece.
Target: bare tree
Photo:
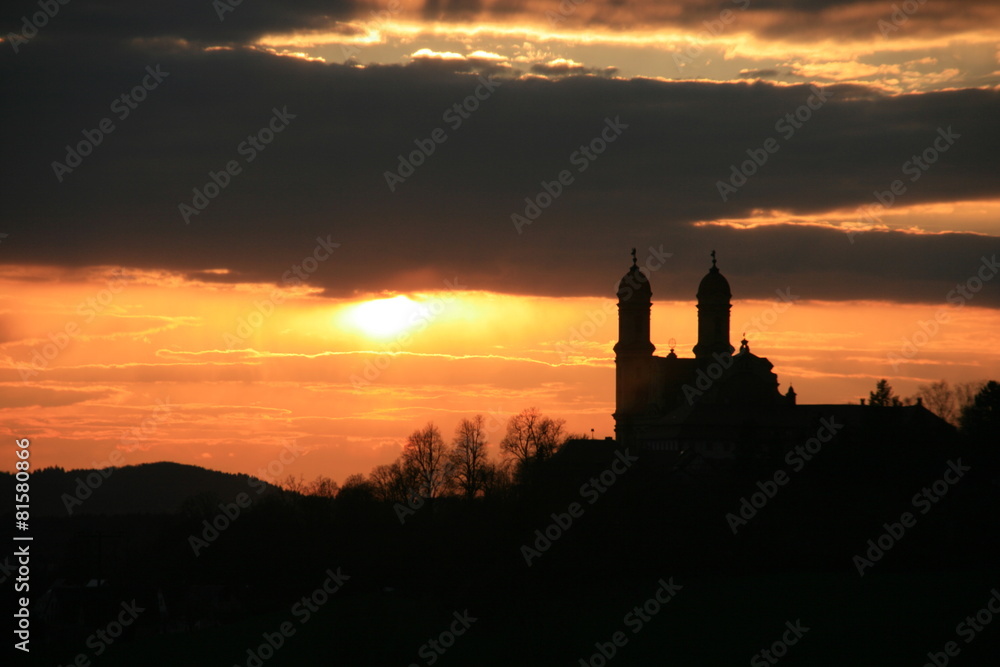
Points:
(323, 487)
(356, 489)
(549, 437)
(468, 456)
(947, 401)
(531, 436)
(939, 398)
(355, 481)
(498, 479)
(391, 482)
(981, 418)
(965, 394)
(293, 483)
(426, 456)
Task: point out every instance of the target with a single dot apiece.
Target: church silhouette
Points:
(723, 403)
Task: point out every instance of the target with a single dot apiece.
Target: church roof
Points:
(634, 284)
(714, 286)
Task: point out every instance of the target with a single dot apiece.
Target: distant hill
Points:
(148, 488)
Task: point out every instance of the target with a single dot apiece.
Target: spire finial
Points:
(634, 261)
(713, 259)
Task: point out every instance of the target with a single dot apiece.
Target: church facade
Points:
(722, 403)
(710, 399)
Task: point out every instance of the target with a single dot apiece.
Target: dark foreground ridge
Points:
(872, 549)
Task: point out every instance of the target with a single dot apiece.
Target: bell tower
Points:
(633, 351)
(713, 315)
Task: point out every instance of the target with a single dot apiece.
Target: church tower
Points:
(713, 315)
(633, 351)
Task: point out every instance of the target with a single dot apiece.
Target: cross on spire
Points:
(713, 259)
(634, 261)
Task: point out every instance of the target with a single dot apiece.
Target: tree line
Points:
(972, 407)
(429, 467)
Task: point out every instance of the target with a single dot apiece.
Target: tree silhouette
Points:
(356, 489)
(468, 456)
(393, 482)
(293, 483)
(498, 480)
(883, 395)
(532, 437)
(965, 393)
(947, 401)
(323, 487)
(939, 398)
(981, 419)
(426, 456)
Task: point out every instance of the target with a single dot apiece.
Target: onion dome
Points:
(714, 287)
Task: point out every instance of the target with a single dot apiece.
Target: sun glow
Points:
(385, 317)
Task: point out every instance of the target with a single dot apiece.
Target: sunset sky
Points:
(231, 227)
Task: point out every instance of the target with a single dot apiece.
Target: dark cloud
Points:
(201, 21)
(324, 175)
(758, 73)
(193, 20)
(564, 67)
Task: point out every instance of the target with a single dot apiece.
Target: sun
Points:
(385, 317)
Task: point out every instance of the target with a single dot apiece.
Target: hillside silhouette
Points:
(543, 580)
(147, 488)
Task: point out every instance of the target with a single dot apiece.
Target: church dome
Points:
(634, 285)
(714, 286)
